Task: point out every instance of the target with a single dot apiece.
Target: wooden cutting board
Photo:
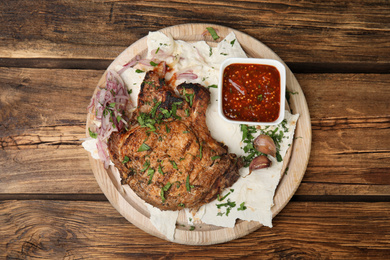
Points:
(132, 207)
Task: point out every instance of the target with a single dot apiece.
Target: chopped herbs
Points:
(232, 42)
(125, 160)
(242, 207)
(160, 169)
(213, 33)
(92, 134)
(215, 157)
(200, 151)
(247, 139)
(153, 64)
(192, 228)
(150, 174)
(163, 190)
(181, 205)
(229, 205)
(224, 54)
(157, 50)
(174, 165)
(139, 71)
(187, 111)
(213, 86)
(146, 165)
(211, 52)
(188, 186)
(143, 147)
(289, 93)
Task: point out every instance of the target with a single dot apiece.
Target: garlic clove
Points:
(265, 144)
(259, 162)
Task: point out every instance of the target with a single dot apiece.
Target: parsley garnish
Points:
(174, 165)
(229, 205)
(188, 186)
(163, 190)
(125, 159)
(213, 33)
(289, 93)
(247, 139)
(242, 206)
(143, 147)
(153, 64)
(146, 165)
(139, 71)
(150, 173)
(232, 42)
(160, 169)
(215, 157)
(192, 228)
(213, 86)
(92, 134)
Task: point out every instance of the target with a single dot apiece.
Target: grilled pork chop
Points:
(167, 155)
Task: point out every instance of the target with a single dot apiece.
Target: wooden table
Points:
(52, 54)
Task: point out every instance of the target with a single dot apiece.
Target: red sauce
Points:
(251, 92)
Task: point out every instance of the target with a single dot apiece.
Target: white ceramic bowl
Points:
(282, 72)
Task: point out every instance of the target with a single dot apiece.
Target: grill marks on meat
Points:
(185, 166)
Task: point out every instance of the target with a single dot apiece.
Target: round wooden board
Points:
(131, 206)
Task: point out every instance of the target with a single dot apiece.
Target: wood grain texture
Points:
(77, 230)
(350, 151)
(315, 33)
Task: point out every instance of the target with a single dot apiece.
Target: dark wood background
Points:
(52, 54)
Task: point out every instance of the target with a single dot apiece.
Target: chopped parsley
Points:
(242, 207)
(150, 174)
(139, 71)
(163, 190)
(200, 150)
(188, 186)
(160, 169)
(213, 86)
(143, 147)
(289, 93)
(92, 134)
(247, 139)
(192, 228)
(232, 42)
(153, 64)
(125, 159)
(213, 33)
(229, 205)
(146, 165)
(215, 157)
(174, 165)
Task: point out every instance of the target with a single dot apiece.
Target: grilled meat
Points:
(168, 156)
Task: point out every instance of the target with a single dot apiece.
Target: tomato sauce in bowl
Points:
(252, 91)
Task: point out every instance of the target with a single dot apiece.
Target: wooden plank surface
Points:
(337, 35)
(75, 230)
(349, 136)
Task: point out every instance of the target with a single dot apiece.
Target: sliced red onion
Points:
(108, 104)
(187, 75)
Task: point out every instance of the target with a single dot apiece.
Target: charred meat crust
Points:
(172, 162)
